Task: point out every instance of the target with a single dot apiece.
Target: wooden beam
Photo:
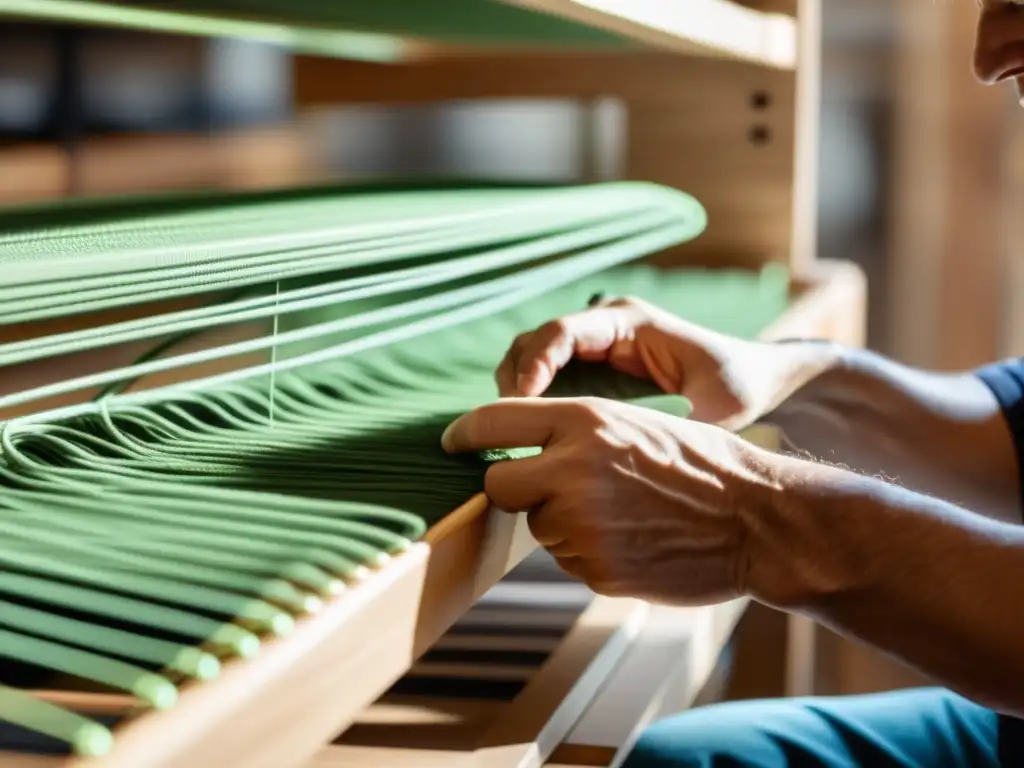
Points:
(948, 245)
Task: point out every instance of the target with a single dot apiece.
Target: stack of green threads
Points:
(369, 29)
(147, 538)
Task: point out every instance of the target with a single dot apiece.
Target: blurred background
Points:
(919, 173)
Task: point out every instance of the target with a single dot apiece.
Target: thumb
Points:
(589, 335)
(511, 423)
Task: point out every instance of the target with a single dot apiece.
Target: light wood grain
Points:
(542, 715)
(376, 757)
(521, 733)
(677, 647)
(30, 173)
(691, 123)
(697, 27)
(427, 723)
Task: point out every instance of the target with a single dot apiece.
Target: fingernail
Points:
(523, 381)
(447, 443)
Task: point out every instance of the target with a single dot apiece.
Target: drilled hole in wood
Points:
(760, 135)
(760, 100)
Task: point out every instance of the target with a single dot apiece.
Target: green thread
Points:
(176, 528)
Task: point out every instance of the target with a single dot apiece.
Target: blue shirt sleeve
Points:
(1006, 380)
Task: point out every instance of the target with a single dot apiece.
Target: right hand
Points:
(730, 381)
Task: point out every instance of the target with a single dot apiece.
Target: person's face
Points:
(999, 46)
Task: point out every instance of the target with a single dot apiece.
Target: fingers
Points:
(534, 358)
(518, 423)
(506, 376)
(549, 530)
(519, 484)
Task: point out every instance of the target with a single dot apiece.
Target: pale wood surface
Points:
(699, 27)
(426, 723)
(522, 732)
(30, 173)
(541, 716)
(374, 757)
(739, 30)
(267, 157)
(950, 220)
(270, 157)
(693, 124)
(677, 648)
(806, 136)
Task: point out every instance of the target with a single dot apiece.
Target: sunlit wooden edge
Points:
(697, 27)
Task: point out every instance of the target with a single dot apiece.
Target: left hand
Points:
(632, 501)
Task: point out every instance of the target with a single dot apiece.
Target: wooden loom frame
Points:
(330, 669)
(736, 130)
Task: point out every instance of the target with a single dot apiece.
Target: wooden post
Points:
(948, 248)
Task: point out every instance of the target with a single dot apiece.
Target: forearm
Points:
(939, 434)
(927, 582)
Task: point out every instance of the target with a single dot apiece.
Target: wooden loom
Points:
(730, 120)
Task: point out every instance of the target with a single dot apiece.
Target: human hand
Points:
(730, 381)
(632, 501)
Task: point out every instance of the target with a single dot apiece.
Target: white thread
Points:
(273, 349)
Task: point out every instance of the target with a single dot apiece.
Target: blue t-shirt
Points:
(1006, 380)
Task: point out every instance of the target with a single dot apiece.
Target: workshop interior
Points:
(256, 254)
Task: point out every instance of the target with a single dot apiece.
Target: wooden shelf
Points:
(122, 164)
(696, 27)
(389, 30)
(621, 664)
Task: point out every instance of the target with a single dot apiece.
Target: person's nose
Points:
(999, 44)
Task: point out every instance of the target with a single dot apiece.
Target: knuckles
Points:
(588, 411)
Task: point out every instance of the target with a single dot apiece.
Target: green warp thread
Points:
(145, 541)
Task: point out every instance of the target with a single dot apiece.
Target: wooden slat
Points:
(520, 733)
(828, 303)
(426, 723)
(542, 715)
(723, 131)
(949, 218)
(379, 757)
(32, 173)
(677, 647)
(469, 671)
(698, 27)
(269, 157)
(496, 642)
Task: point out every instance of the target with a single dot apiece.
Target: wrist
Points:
(794, 366)
(789, 559)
